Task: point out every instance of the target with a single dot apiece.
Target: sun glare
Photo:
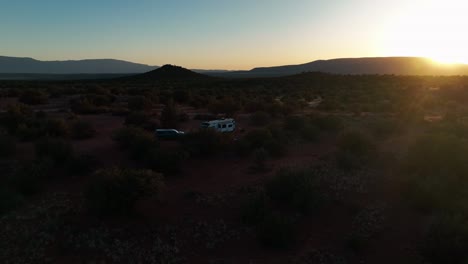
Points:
(433, 29)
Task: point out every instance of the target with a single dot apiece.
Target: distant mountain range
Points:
(99, 66)
(383, 65)
(28, 68)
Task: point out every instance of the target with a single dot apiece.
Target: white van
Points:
(221, 125)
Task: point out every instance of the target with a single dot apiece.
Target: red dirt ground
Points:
(220, 177)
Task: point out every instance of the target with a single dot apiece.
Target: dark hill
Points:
(171, 73)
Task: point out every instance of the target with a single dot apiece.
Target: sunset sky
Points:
(234, 34)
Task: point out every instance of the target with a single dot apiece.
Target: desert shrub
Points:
(204, 117)
(182, 96)
(328, 124)
(255, 208)
(114, 192)
(300, 126)
(81, 129)
(260, 158)
(82, 164)
(169, 116)
(166, 162)
(309, 132)
(355, 149)
(119, 111)
(205, 142)
(9, 200)
(41, 114)
(7, 146)
(32, 130)
(101, 99)
(446, 240)
(84, 105)
(224, 106)
(56, 128)
(295, 123)
(15, 116)
(296, 189)
(383, 127)
(258, 138)
(29, 176)
(262, 138)
(58, 150)
(456, 128)
(136, 141)
(437, 169)
(276, 231)
(33, 97)
(139, 103)
(259, 119)
(140, 119)
(184, 117)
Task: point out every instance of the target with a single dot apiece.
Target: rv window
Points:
(224, 126)
(219, 125)
(230, 125)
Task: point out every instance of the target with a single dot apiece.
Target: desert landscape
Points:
(321, 168)
(234, 132)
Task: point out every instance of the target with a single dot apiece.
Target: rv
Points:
(221, 125)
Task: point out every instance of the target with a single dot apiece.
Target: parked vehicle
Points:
(169, 133)
(221, 125)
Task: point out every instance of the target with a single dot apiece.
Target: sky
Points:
(233, 34)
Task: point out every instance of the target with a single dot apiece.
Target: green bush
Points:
(58, 150)
(446, 241)
(114, 192)
(276, 231)
(81, 129)
(297, 189)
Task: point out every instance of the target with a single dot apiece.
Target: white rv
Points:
(221, 125)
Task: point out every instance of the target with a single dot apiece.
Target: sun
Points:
(432, 29)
